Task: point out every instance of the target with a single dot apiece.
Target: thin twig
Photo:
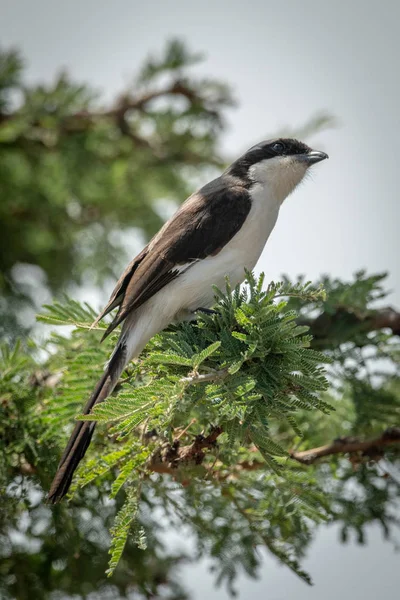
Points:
(182, 433)
(204, 377)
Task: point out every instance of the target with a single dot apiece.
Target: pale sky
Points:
(285, 61)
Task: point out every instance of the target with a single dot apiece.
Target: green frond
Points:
(233, 430)
(129, 469)
(124, 521)
(294, 425)
(253, 371)
(264, 443)
(170, 359)
(69, 312)
(99, 467)
(198, 359)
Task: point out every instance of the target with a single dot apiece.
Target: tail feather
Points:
(82, 434)
(65, 473)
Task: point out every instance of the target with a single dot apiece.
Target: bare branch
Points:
(343, 323)
(177, 88)
(386, 318)
(368, 448)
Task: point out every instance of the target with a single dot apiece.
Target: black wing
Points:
(203, 225)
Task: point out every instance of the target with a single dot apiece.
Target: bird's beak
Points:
(313, 157)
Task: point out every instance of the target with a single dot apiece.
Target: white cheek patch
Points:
(280, 174)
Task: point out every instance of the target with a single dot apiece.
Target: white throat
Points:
(279, 176)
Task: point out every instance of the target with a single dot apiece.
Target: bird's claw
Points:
(206, 311)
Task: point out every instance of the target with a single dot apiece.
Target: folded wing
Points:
(203, 225)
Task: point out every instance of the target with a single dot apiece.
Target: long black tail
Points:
(82, 434)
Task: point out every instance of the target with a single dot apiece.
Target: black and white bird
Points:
(219, 231)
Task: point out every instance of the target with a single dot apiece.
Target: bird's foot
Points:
(206, 311)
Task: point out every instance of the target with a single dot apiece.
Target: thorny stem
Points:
(204, 377)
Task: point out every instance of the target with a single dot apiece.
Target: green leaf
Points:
(124, 520)
(265, 444)
(170, 359)
(198, 359)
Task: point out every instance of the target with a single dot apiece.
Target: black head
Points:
(273, 149)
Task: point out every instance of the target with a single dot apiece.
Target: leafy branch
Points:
(221, 403)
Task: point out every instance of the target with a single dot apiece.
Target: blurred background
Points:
(127, 107)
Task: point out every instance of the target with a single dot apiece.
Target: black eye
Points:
(278, 147)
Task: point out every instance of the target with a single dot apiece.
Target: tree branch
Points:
(370, 448)
(344, 323)
(84, 120)
(176, 88)
(169, 457)
(386, 318)
(204, 377)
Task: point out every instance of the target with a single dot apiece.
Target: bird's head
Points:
(278, 164)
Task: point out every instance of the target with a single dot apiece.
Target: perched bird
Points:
(219, 231)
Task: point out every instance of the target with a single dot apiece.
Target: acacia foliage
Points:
(261, 369)
(80, 178)
(199, 432)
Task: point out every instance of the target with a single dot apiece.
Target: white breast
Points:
(242, 252)
(274, 179)
(193, 289)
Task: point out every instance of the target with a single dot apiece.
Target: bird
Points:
(219, 231)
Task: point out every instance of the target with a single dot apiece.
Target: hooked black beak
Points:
(313, 157)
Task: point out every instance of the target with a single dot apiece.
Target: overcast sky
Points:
(286, 61)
